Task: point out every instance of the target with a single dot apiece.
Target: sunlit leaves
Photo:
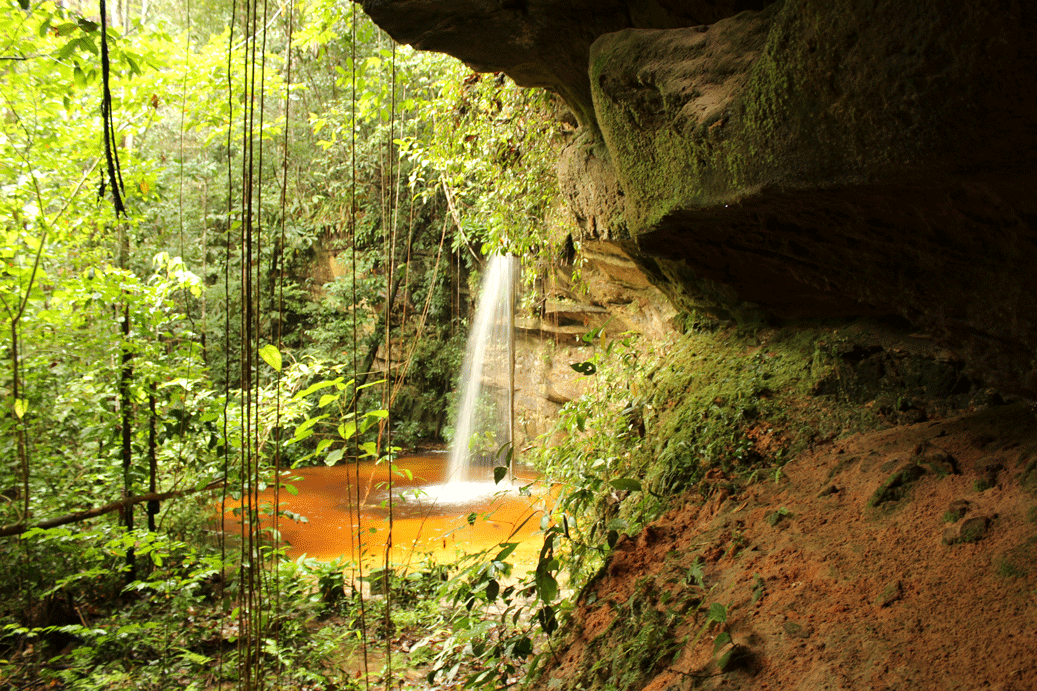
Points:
(271, 356)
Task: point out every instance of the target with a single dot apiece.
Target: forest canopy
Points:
(237, 238)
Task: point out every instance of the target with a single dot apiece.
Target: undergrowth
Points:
(654, 421)
(657, 418)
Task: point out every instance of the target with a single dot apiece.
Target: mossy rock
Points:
(898, 484)
(890, 594)
(939, 461)
(970, 530)
(956, 511)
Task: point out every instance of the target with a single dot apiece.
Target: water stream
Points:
(485, 417)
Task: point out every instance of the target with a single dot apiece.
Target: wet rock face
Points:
(799, 159)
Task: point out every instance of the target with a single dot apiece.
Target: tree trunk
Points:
(79, 516)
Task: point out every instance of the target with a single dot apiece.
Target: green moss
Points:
(1029, 477)
(665, 158)
(738, 401)
(759, 588)
(774, 518)
(897, 485)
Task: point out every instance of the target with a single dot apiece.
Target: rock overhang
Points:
(800, 158)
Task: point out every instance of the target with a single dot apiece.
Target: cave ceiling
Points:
(790, 159)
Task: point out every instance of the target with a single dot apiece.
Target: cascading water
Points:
(484, 417)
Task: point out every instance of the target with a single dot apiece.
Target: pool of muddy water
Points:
(428, 516)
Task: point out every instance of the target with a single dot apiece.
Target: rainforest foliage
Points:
(238, 239)
(235, 238)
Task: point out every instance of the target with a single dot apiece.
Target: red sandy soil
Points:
(853, 596)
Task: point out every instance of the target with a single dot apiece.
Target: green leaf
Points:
(723, 639)
(333, 457)
(627, 484)
(523, 647)
(506, 552)
(271, 356)
(546, 585)
(492, 590)
(327, 399)
(590, 335)
(587, 368)
(347, 429)
(725, 659)
(306, 425)
(316, 387)
(20, 406)
(499, 473)
(369, 448)
(547, 619)
(717, 613)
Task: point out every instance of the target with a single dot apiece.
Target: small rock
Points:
(969, 530)
(956, 511)
(939, 461)
(895, 488)
(890, 594)
(895, 462)
(992, 398)
(989, 468)
(973, 529)
(912, 416)
(829, 490)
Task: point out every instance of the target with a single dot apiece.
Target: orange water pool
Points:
(424, 519)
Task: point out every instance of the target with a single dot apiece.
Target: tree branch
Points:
(19, 528)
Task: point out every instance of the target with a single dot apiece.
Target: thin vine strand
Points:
(356, 367)
(280, 323)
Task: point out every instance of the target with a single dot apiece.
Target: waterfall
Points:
(484, 415)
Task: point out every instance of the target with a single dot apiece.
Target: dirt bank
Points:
(899, 559)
